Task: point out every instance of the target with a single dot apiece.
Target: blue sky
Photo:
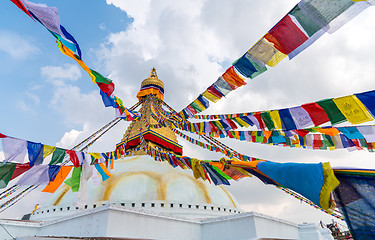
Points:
(25, 95)
(46, 97)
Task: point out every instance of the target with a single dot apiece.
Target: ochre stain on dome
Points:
(66, 189)
(114, 181)
(174, 176)
(231, 199)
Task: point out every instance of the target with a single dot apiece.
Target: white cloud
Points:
(191, 43)
(16, 46)
(57, 75)
(102, 26)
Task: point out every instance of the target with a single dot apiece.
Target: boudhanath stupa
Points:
(147, 199)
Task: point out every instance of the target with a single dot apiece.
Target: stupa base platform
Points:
(118, 222)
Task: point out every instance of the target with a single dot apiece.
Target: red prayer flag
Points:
(20, 5)
(192, 110)
(317, 142)
(286, 36)
(317, 114)
(106, 88)
(73, 157)
(301, 132)
(260, 120)
(215, 92)
(2, 135)
(20, 168)
(231, 123)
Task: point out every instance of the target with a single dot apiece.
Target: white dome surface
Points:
(142, 179)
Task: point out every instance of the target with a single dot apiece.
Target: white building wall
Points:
(116, 221)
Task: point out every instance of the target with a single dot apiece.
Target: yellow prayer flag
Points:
(48, 150)
(201, 127)
(278, 57)
(275, 116)
(199, 104)
(96, 155)
(295, 140)
(242, 122)
(353, 109)
(263, 50)
(210, 96)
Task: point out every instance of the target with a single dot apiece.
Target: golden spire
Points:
(163, 137)
(153, 73)
(152, 85)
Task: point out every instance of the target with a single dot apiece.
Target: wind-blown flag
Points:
(355, 198)
(14, 149)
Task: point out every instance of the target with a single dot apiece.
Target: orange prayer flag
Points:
(231, 77)
(60, 177)
(329, 131)
(267, 134)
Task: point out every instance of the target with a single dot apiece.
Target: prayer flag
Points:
(301, 117)
(52, 171)
(37, 175)
(314, 181)
(14, 149)
(351, 132)
(287, 120)
(368, 99)
(308, 25)
(275, 116)
(222, 86)
(263, 51)
(103, 171)
(20, 5)
(52, 186)
(58, 156)
(213, 98)
(75, 179)
(286, 36)
(368, 132)
(6, 172)
(35, 151)
(355, 199)
(20, 169)
(231, 77)
(266, 117)
(334, 114)
(216, 178)
(48, 150)
(48, 16)
(353, 109)
(244, 66)
(317, 114)
(73, 158)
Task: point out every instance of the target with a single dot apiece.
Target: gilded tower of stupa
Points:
(162, 137)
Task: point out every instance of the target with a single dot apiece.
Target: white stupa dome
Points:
(141, 182)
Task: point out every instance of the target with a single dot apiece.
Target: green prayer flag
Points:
(100, 78)
(327, 140)
(267, 120)
(333, 112)
(58, 156)
(6, 172)
(306, 22)
(221, 173)
(75, 180)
